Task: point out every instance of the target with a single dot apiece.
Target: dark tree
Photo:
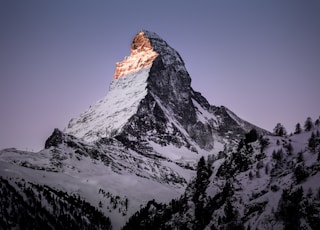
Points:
(202, 209)
(298, 129)
(308, 124)
(300, 173)
(280, 130)
(263, 144)
(202, 179)
(289, 208)
(277, 155)
(266, 169)
(312, 142)
(250, 175)
(251, 136)
(289, 148)
(229, 212)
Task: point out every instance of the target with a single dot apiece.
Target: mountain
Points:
(141, 143)
(151, 99)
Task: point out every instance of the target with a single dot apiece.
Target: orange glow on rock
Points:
(141, 56)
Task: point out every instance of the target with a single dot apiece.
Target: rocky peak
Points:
(141, 56)
(145, 48)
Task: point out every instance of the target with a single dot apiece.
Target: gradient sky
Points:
(261, 59)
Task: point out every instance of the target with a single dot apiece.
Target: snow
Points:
(89, 177)
(174, 153)
(203, 115)
(111, 113)
(85, 176)
(129, 174)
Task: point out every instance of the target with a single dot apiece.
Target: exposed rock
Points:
(55, 139)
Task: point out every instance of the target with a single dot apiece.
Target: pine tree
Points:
(263, 143)
(280, 130)
(201, 174)
(289, 208)
(202, 179)
(229, 212)
(298, 129)
(312, 142)
(199, 197)
(266, 169)
(252, 136)
(289, 148)
(308, 124)
(258, 173)
(300, 173)
(250, 175)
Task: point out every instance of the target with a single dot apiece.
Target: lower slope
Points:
(268, 183)
(114, 178)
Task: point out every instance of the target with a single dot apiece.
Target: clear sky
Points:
(261, 59)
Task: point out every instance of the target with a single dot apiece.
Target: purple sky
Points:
(261, 59)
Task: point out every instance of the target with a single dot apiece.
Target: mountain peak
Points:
(145, 47)
(141, 56)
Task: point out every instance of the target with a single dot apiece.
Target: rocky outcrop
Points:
(55, 139)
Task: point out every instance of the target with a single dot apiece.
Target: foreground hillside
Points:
(25, 205)
(272, 182)
(263, 182)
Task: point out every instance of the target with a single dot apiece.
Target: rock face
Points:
(151, 99)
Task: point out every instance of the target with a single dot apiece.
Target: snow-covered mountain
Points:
(141, 142)
(151, 99)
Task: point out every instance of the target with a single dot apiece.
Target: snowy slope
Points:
(106, 117)
(124, 177)
(271, 183)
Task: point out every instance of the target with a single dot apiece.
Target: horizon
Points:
(260, 60)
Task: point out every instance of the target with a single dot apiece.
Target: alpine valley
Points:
(155, 154)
